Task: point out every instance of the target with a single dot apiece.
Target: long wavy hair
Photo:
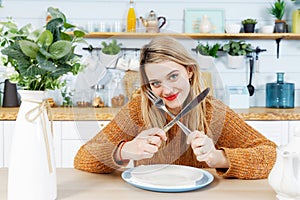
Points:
(162, 49)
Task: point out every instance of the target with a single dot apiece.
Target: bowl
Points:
(267, 29)
(232, 28)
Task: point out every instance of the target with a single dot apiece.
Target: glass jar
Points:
(117, 97)
(99, 96)
(280, 94)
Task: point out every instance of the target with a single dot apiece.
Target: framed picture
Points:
(193, 17)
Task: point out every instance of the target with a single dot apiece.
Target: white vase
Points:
(205, 25)
(32, 170)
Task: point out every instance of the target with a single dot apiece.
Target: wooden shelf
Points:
(254, 36)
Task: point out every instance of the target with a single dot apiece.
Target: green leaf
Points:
(29, 48)
(44, 63)
(78, 33)
(65, 36)
(14, 52)
(55, 13)
(45, 39)
(67, 25)
(10, 25)
(45, 53)
(60, 48)
(55, 26)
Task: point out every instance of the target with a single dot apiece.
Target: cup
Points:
(117, 26)
(232, 28)
(102, 26)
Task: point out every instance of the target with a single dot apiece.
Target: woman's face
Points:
(170, 81)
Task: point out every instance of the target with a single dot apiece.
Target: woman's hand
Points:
(144, 145)
(204, 149)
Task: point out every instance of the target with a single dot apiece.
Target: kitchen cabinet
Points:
(1, 144)
(8, 130)
(294, 129)
(277, 131)
(74, 135)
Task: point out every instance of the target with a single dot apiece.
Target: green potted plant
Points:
(249, 25)
(38, 59)
(41, 57)
(277, 9)
(110, 53)
(207, 53)
(236, 52)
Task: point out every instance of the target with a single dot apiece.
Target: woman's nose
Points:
(167, 89)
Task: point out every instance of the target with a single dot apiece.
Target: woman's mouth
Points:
(171, 97)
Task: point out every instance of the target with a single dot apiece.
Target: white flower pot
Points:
(205, 62)
(235, 62)
(109, 61)
(32, 170)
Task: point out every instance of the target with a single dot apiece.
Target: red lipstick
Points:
(171, 97)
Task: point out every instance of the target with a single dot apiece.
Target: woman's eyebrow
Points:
(175, 70)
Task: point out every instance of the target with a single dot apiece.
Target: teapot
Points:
(153, 23)
(284, 177)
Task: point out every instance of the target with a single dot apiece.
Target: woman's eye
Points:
(173, 76)
(155, 84)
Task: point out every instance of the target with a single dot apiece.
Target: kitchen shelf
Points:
(254, 36)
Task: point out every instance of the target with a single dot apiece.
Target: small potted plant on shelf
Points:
(110, 53)
(207, 53)
(236, 52)
(249, 25)
(277, 9)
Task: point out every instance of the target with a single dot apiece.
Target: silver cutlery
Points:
(187, 108)
(159, 103)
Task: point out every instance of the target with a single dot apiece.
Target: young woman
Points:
(219, 138)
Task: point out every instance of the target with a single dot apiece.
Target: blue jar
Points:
(280, 94)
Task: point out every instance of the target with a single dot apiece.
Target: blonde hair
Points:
(162, 49)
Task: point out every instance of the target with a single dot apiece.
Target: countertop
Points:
(78, 185)
(89, 113)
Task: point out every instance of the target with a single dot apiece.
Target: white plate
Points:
(167, 178)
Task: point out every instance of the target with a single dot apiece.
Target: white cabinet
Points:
(277, 131)
(8, 131)
(74, 135)
(1, 144)
(294, 129)
(57, 142)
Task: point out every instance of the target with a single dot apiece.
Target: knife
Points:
(187, 108)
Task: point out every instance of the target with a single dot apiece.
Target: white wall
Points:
(82, 12)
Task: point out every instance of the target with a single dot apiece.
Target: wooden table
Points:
(77, 185)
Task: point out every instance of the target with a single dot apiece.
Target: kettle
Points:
(284, 177)
(153, 23)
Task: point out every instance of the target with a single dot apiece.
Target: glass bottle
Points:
(280, 94)
(131, 19)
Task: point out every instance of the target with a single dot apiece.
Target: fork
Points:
(159, 103)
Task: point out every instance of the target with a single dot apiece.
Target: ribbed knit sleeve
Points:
(251, 155)
(97, 154)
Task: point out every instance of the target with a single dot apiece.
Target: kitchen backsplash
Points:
(89, 14)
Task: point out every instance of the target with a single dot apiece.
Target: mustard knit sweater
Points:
(250, 154)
